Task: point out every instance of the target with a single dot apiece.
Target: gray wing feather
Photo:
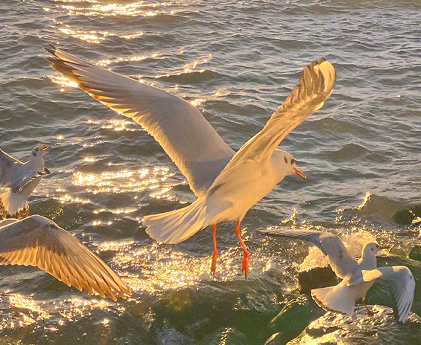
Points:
(400, 283)
(7, 165)
(37, 241)
(182, 131)
(342, 263)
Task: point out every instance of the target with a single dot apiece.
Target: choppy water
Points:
(236, 61)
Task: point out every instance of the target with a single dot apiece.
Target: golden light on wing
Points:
(39, 242)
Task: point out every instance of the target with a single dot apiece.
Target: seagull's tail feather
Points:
(13, 205)
(177, 226)
(337, 298)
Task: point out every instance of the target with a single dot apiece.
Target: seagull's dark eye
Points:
(292, 161)
(285, 159)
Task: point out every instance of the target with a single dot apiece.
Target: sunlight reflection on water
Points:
(155, 179)
(93, 8)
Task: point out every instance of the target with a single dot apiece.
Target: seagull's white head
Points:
(371, 249)
(368, 260)
(39, 150)
(289, 164)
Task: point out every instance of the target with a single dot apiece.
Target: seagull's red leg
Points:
(215, 252)
(245, 263)
(370, 312)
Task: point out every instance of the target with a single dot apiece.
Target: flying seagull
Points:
(357, 276)
(39, 242)
(226, 183)
(19, 180)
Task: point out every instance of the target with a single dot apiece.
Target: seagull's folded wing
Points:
(400, 283)
(7, 166)
(37, 241)
(182, 131)
(343, 264)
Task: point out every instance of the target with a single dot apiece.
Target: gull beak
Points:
(44, 147)
(300, 173)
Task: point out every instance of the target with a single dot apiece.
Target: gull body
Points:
(19, 180)
(39, 242)
(226, 183)
(357, 276)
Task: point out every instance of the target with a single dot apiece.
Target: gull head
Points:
(289, 164)
(39, 150)
(371, 249)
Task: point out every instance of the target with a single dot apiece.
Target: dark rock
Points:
(403, 217)
(406, 216)
(415, 253)
(315, 278)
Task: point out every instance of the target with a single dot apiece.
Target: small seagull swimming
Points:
(357, 276)
(227, 183)
(19, 180)
(39, 242)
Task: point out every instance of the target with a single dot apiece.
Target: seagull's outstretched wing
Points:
(343, 264)
(182, 131)
(7, 165)
(38, 241)
(314, 87)
(400, 283)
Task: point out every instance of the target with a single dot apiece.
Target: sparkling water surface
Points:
(236, 61)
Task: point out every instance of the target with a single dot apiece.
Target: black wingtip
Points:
(51, 49)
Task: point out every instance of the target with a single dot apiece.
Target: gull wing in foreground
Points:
(38, 241)
(400, 283)
(342, 263)
(182, 131)
(313, 88)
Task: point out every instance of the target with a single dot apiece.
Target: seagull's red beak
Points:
(44, 147)
(300, 173)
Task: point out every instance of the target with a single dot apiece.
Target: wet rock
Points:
(415, 253)
(315, 278)
(294, 317)
(360, 328)
(407, 216)
(403, 217)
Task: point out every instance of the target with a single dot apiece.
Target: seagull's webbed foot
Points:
(370, 312)
(245, 262)
(215, 252)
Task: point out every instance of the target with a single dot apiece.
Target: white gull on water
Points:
(39, 242)
(357, 276)
(226, 183)
(19, 180)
